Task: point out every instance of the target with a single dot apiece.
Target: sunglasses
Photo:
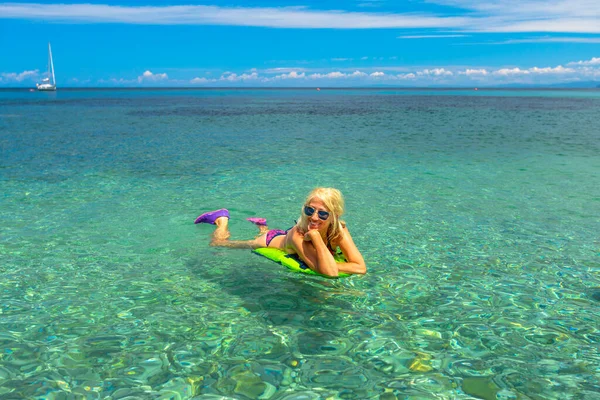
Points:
(309, 211)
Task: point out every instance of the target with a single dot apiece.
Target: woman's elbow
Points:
(330, 271)
(362, 269)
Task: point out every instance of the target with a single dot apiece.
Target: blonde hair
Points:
(334, 201)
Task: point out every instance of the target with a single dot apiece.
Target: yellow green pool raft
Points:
(293, 262)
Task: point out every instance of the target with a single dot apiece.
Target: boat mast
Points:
(51, 64)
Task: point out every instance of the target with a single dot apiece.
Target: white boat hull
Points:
(45, 87)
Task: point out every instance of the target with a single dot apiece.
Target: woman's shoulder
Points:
(335, 242)
(343, 229)
(293, 233)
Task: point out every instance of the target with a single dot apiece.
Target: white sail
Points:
(51, 64)
(47, 84)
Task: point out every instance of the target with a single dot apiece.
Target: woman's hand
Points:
(312, 235)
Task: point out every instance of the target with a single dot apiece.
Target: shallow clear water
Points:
(477, 213)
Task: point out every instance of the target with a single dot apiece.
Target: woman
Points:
(315, 238)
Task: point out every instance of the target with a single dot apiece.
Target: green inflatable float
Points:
(293, 262)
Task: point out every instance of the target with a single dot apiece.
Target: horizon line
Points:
(313, 88)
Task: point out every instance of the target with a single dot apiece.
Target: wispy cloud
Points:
(474, 72)
(232, 77)
(406, 76)
(529, 15)
(118, 82)
(430, 36)
(435, 72)
(592, 61)
(547, 39)
(372, 3)
(580, 16)
(282, 70)
(9, 77)
(284, 17)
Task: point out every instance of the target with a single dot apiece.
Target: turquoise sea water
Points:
(478, 214)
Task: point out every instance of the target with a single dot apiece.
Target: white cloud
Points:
(239, 78)
(435, 72)
(364, 58)
(357, 74)
(558, 70)
(548, 70)
(335, 75)
(510, 72)
(19, 77)
(343, 75)
(592, 61)
(341, 59)
(406, 76)
(148, 76)
(201, 80)
(291, 75)
(491, 16)
(589, 72)
(330, 75)
(474, 72)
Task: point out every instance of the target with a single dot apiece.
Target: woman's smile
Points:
(314, 222)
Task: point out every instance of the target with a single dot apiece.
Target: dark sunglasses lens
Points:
(323, 215)
(309, 210)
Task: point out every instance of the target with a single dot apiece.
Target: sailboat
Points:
(48, 85)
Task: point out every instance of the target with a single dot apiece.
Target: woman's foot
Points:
(261, 223)
(257, 221)
(211, 216)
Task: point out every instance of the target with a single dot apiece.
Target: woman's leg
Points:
(220, 237)
(261, 224)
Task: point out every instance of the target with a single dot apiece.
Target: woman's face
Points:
(314, 222)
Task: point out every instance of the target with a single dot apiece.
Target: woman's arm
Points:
(355, 262)
(314, 252)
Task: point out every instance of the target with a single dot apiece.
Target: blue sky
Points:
(301, 43)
